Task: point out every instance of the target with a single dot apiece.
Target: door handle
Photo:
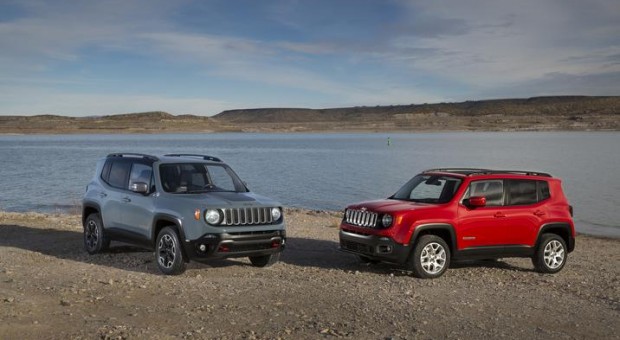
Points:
(126, 199)
(499, 215)
(539, 213)
(103, 194)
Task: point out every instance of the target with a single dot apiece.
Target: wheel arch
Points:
(89, 208)
(443, 230)
(559, 228)
(161, 221)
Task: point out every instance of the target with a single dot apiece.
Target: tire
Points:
(95, 239)
(265, 261)
(168, 252)
(430, 257)
(551, 254)
(367, 260)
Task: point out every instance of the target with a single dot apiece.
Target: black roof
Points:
(476, 171)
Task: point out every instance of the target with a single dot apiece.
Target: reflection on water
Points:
(325, 171)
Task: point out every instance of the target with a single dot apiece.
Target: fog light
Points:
(202, 248)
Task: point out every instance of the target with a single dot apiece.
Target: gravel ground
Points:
(50, 288)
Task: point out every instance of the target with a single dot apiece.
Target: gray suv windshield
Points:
(199, 178)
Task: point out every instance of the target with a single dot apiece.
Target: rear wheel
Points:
(430, 257)
(95, 239)
(265, 260)
(168, 252)
(550, 256)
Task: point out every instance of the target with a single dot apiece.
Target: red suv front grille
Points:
(361, 218)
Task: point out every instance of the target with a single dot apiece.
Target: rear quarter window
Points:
(522, 192)
(543, 190)
(119, 174)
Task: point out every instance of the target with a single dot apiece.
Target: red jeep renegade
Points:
(456, 214)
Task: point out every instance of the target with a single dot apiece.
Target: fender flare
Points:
(89, 205)
(564, 226)
(168, 218)
(435, 226)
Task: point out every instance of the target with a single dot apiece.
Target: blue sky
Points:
(201, 57)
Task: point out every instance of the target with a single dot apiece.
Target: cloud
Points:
(313, 54)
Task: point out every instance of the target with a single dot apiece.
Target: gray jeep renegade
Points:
(184, 206)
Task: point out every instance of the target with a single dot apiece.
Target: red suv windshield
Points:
(428, 189)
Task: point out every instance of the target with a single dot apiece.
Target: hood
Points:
(391, 206)
(230, 199)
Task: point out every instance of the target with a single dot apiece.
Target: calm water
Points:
(325, 171)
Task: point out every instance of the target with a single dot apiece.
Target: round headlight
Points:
(276, 214)
(386, 220)
(213, 216)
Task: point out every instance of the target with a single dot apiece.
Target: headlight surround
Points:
(387, 220)
(276, 214)
(213, 216)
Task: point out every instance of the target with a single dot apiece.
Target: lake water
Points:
(48, 173)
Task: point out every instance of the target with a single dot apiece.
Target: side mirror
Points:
(139, 187)
(477, 201)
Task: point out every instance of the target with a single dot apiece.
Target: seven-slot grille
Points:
(361, 218)
(246, 216)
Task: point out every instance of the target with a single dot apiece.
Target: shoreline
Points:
(56, 132)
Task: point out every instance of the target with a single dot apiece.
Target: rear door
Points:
(525, 210)
(483, 226)
(112, 197)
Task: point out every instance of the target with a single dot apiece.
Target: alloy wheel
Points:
(92, 234)
(167, 251)
(554, 254)
(433, 258)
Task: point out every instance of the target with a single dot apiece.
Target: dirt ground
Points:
(50, 288)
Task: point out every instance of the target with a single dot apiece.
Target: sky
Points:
(82, 58)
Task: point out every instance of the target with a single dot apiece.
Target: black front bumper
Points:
(241, 244)
(374, 247)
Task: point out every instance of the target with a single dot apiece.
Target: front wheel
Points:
(550, 256)
(430, 257)
(168, 253)
(265, 261)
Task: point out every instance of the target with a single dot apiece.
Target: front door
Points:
(482, 226)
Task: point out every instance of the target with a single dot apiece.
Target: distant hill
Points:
(537, 114)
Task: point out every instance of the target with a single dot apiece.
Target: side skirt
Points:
(493, 252)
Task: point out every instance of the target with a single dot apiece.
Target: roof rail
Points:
(205, 157)
(474, 171)
(132, 154)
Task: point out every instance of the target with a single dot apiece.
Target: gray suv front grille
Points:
(247, 216)
(361, 218)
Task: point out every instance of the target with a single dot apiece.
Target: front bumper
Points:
(374, 247)
(237, 244)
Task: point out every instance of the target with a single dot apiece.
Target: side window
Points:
(141, 173)
(522, 192)
(119, 173)
(220, 178)
(105, 172)
(543, 190)
(492, 190)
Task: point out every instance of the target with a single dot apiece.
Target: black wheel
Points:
(430, 257)
(367, 260)
(550, 255)
(168, 253)
(95, 239)
(265, 261)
